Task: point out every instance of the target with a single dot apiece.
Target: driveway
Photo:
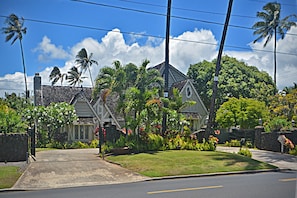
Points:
(70, 168)
(282, 161)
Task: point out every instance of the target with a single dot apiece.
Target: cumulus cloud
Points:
(188, 48)
(12, 83)
(48, 51)
(262, 57)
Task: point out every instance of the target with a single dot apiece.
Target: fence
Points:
(13, 147)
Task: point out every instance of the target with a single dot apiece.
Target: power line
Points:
(187, 9)
(161, 14)
(147, 35)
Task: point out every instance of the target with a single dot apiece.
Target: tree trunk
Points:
(24, 70)
(274, 52)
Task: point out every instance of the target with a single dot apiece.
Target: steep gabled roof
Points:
(49, 94)
(174, 74)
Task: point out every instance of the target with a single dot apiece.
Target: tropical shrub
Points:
(245, 152)
(155, 142)
(233, 143)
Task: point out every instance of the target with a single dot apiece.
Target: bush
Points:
(245, 152)
(293, 151)
(78, 145)
(94, 144)
(233, 143)
(155, 142)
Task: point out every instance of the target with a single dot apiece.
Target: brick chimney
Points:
(37, 89)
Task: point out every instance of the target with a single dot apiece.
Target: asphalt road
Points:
(260, 185)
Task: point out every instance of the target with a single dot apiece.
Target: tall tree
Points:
(244, 112)
(85, 62)
(272, 25)
(74, 76)
(15, 31)
(236, 80)
(56, 75)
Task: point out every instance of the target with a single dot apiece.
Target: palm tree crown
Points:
(56, 75)
(85, 62)
(272, 25)
(15, 31)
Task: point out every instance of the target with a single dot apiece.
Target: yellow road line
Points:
(183, 189)
(288, 179)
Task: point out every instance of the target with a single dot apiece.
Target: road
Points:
(268, 184)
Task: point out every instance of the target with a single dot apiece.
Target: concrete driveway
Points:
(282, 161)
(70, 168)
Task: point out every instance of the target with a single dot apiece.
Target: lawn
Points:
(8, 176)
(169, 163)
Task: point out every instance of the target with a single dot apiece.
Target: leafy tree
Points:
(284, 105)
(236, 80)
(244, 112)
(50, 119)
(116, 80)
(272, 25)
(10, 120)
(176, 120)
(147, 87)
(15, 31)
(85, 62)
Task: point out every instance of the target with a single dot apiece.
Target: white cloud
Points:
(49, 51)
(114, 47)
(286, 64)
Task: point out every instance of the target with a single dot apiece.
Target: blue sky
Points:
(134, 30)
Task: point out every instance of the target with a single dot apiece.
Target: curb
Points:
(179, 177)
(218, 174)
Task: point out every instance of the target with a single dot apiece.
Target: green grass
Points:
(169, 163)
(8, 176)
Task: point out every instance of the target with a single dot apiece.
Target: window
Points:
(87, 132)
(188, 92)
(76, 132)
(81, 136)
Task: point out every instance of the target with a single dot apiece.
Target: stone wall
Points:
(13, 147)
(269, 142)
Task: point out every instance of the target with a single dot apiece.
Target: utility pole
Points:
(212, 113)
(166, 66)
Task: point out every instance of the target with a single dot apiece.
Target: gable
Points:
(189, 92)
(174, 74)
(83, 109)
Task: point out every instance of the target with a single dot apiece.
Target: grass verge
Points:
(170, 163)
(8, 176)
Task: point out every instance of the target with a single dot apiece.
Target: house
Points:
(91, 114)
(95, 113)
(195, 114)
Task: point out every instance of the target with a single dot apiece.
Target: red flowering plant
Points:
(213, 139)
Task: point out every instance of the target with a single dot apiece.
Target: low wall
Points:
(13, 147)
(269, 142)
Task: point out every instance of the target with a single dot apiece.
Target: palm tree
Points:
(74, 76)
(15, 31)
(271, 26)
(85, 62)
(56, 75)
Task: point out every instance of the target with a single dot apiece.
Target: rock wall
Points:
(13, 147)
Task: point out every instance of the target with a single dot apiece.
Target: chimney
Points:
(37, 89)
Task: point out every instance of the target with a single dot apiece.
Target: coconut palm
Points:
(272, 25)
(15, 31)
(74, 76)
(56, 75)
(85, 62)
